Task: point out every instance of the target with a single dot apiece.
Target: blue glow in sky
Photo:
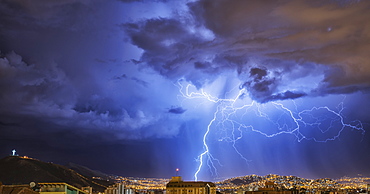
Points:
(140, 88)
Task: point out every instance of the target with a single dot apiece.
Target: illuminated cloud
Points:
(278, 36)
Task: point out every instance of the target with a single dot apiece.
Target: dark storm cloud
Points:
(53, 73)
(74, 85)
(60, 64)
(177, 110)
(123, 76)
(140, 81)
(26, 86)
(262, 86)
(45, 92)
(285, 95)
(137, 80)
(280, 36)
(170, 48)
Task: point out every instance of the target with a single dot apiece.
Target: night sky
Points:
(216, 88)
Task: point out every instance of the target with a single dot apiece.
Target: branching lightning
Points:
(232, 118)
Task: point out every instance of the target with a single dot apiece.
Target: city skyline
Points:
(213, 88)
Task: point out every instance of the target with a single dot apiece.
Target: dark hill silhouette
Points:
(21, 170)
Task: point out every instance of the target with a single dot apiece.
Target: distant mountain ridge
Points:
(23, 170)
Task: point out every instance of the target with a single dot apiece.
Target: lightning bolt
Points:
(232, 115)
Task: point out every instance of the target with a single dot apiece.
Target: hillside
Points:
(22, 170)
(87, 172)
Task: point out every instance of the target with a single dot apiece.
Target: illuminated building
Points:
(178, 186)
(59, 188)
(119, 188)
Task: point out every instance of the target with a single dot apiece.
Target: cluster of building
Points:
(270, 184)
(140, 184)
(353, 183)
(174, 186)
(291, 184)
